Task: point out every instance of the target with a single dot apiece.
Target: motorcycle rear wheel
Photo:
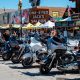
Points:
(68, 59)
(44, 69)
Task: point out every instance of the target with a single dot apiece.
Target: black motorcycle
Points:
(59, 59)
(2, 46)
(10, 48)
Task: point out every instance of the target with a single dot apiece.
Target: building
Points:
(35, 14)
(5, 15)
(11, 16)
(43, 14)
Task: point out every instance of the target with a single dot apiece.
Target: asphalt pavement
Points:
(10, 71)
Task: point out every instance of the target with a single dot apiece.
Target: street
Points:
(10, 71)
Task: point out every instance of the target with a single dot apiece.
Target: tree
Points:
(34, 3)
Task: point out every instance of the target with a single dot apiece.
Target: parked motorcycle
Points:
(36, 54)
(2, 46)
(10, 48)
(59, 58)
(17, 56)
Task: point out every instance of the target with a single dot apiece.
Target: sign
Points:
(55, 14)
(75, 16)
(58, 24)
(64, 23)
(15, 17)
(71, 23)
(61, 24)
(38, 15)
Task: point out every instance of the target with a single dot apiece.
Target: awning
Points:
(37, 25)
(28, 26)
(16, 26)
(4, 26)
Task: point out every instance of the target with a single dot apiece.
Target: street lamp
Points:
(20, 9)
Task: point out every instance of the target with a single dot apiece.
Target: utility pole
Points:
(20, 10)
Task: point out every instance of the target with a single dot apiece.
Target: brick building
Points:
(41, 14)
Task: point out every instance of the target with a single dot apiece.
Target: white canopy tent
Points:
(66, 19)
(28, 26)
(37, 25)
(4, 26)
(48, 24)
(16, 26)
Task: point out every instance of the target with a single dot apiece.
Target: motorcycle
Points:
(17, 57)
(9, 49)
(36, 54)
(58, 58)
(2, 46)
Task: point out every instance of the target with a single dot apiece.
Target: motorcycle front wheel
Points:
(27, 62)
(15, 59)
(44, 69)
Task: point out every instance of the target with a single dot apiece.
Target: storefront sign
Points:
(58, 24)
(75, 16)
(65, 24)
(71, 23)
(38, 15)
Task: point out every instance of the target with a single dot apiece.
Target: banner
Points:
(15, 17)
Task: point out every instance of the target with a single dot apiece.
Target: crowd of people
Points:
(47, 37)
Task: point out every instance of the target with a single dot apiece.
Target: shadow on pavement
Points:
(73, 79)
(67, 79)
(52, 73)
(17, 67)
(11, 63)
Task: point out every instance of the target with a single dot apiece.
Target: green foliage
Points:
(38, 3)
(34, 3)
(30, 1)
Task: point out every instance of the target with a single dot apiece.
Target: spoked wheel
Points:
(15, 59)
(44, 68)
(27, 62)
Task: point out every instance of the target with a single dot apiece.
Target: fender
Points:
(26, 55)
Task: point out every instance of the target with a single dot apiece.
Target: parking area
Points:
(10, 71)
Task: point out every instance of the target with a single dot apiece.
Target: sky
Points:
(13, 4)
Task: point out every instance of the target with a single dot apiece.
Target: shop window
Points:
(55, 14)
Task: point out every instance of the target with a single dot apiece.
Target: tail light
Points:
(17, 47)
